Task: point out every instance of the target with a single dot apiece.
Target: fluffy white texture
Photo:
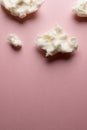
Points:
(55, 41)
(14, 41)
(21, 8)
(80, 8)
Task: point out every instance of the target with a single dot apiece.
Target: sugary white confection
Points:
(14, 41)
(80, 8)
(21, 8)
(55, 41)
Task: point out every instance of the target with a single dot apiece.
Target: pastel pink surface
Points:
(36, 94)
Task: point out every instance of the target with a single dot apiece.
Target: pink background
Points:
(36, 94)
